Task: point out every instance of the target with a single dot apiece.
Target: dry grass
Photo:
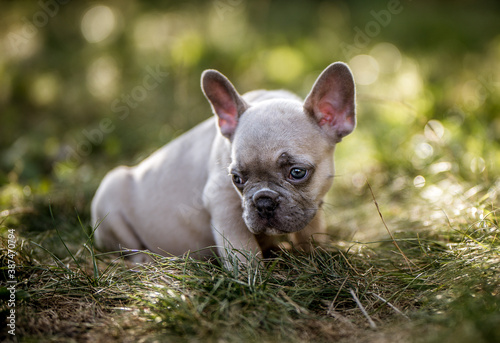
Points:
(438, 279)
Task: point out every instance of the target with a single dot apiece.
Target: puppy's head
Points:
(282, 148)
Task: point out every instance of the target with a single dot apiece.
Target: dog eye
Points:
(298, 173)
(237, 179)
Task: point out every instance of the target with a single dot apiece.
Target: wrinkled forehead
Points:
(272, 121)
(269, 128)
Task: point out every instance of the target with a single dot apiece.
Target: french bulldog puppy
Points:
(259, 168)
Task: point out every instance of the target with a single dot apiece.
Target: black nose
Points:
(266, 202)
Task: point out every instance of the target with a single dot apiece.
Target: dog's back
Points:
(155, 196)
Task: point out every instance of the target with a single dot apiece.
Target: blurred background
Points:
(88, 85)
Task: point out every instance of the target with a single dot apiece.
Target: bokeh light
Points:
(434, 130)
(102, 77)
(98, 23)
(365, 69)
(424, 150)
(419, 181)
(388, 57)
(409, 80)
(472, 94)
(477, 165)
(45, 89)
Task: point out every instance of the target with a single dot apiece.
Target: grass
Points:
(419, 284)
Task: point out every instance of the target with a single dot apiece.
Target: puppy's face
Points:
(282, 149)
(282, 166)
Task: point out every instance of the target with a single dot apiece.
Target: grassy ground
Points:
(436, 280)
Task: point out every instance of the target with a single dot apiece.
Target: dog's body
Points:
(261, 168)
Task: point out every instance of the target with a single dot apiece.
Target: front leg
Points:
(231, 235)
(315, 232)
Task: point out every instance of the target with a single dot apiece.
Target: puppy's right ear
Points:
(332, 101)
(226, 103)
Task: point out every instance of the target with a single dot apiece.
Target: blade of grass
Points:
(58, 261)
(398, 311)
(408, 262)
(372, 324)
(90, 248)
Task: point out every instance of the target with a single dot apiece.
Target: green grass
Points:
(428, 284)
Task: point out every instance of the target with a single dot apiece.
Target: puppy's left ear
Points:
(226, 103)
(331, 101)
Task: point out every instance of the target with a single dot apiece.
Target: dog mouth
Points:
(277, 220)
(269, 211)
(275, 226)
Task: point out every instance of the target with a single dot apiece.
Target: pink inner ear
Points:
(335, 118)
(227, 122)
(328, 114)
(225, 108)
